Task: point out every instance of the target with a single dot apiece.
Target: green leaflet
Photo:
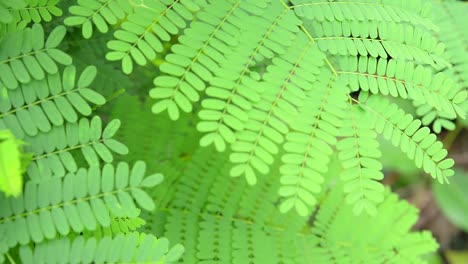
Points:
(406, 133)
(59, 101)
(225, 230)
(138, 247)
(144, 31)
(99, 13)
(358, 153)
(55, 158)
(265, 91)
(29, 11)
(39, 55)
(81, 205)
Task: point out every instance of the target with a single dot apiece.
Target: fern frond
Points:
(36, 11)
(231, 220)
(53, 151)
(414, 12)
(198, 55)
(130, 248)
(12, 164)
(40, 104)
(398, 41)
(403, 79)
(287, 80)
(24, 55)
(405, 132)
(151, 23)
(82, 200)
(385, 237)
(235, 88)
(439, 119)
(97, 12)
(359, 153)
(219, 220)
(308, 146)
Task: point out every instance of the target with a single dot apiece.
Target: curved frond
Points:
(415, 140)
(400, 78)
(359, 153)
(198, 55)
(385, 237)
(395, 40)
(412, 12)
(99, 13)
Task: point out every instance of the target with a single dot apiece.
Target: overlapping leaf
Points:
(235, 89)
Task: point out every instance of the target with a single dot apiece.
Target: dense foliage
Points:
(222, 131)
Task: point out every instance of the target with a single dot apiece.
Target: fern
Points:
(100, 13)
(237, 224)
(55, 159)
(269, 149)
(81, 200)
(30, 56)
(144, 248)
(150, 23)
(36, 106)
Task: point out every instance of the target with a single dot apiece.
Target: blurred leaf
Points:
(457, 257)
(453, 199)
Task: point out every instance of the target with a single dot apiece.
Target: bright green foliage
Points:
(82, 200)
(150, 23)
(25, 11)
(12, 164)
(55, 158)
(340, 238)
(131, 248)
(100, 13)
(417, 142)
(309, 145)
(201, 52)
(27, 54)
(286, 97)
(222, 220)
(253, 97)
(41, 104)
